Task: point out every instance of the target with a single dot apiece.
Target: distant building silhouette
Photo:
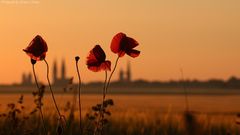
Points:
(129, 73)
(62, 80)
(125, 77)
(121, 75)
(27, 79)
(125, 80)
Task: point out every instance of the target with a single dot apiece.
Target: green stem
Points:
(79, 97)
(39, 91)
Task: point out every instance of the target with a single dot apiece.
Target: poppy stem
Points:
(40, 104)
(53, 97)
(79, 97)
(109, 79)
(104, 87)
(98, 128)
(104, 96)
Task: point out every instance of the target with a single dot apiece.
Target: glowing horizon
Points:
(199, 37)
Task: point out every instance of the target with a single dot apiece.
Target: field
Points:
(143, 114)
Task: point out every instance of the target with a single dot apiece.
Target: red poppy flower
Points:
(122, 44)
(96, 60)
(37, 48)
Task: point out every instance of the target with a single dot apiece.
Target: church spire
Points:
(129, 74)
(121, 75)
(63, 73)
(29, 79)
(54, 71)
(23, 78)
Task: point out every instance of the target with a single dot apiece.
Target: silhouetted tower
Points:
(129, 74)
(121, 75)
(29, 78)
(54, 71)
(23, 78)
(26, 79)
(63, 73)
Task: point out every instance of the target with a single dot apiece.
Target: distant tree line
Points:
(232, 82)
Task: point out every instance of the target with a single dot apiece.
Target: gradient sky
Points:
(202, 37)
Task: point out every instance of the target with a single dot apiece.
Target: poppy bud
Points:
(33, 61)
(77, 58)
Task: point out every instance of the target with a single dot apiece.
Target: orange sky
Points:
(201, 37)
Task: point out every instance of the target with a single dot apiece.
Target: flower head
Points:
(77, 58)
(122, 44)
(96, 60)
(37, 48)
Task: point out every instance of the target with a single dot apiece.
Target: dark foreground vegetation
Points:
(17, 121)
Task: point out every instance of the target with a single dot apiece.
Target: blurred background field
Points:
(148, 114)
(175, 103)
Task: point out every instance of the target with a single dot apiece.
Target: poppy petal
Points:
(106, 66)
(133, 53)
(116, 42)
(37, 48)
(131, 43)
(121, 53)
(94, 68)
(91, 58)
(99, 53)
(96, 60)
(92, 63)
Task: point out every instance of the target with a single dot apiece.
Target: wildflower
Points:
(122, 44)
(37, 48)
(96, 61)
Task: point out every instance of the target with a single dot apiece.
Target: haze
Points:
(201, 37)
